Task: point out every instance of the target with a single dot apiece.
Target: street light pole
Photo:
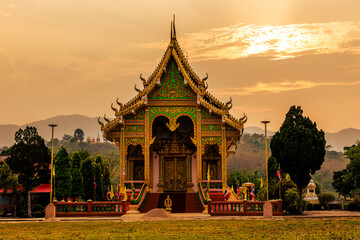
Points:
(266, 159)
(52, 159)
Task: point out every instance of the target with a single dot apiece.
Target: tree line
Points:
(80, 175)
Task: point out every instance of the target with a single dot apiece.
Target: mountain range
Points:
(68, 123)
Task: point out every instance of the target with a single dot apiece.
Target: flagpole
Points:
(52, 160)
(266, 159)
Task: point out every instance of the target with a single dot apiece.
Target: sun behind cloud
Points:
(276, 41)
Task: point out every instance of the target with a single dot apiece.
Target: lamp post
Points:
(266, 159)
(52, 159)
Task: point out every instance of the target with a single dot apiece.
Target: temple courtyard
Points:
(310, 225)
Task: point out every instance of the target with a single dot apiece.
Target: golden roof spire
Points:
(174, 34)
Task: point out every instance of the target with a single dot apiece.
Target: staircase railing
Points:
(140, 195)
(202, 197)
(141, 204)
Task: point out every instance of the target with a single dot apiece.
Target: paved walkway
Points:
(192, 216)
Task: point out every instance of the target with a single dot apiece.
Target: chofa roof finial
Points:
(173, 22)
(172, 26)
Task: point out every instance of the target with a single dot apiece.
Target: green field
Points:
(195, 229)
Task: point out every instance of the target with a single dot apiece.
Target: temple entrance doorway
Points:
(175, 149)
(175, 174)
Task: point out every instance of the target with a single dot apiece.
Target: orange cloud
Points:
(277, 87)
(276, 41)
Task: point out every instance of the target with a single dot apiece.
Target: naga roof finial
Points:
(229, 104)
(107, 120)
(143, 80)
(119, 103)
(205, 78)
(114, 109)
(136, 89)
(101, 123)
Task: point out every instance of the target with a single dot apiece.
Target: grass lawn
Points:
(342, 228)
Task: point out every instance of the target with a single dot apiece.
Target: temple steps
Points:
(192, 204)
(217, 196)
(181, 202)
(151, 202)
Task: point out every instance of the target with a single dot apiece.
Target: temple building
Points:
(173, 134)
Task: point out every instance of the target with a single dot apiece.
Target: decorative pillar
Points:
(147, 149)
(223, 156)
(122, 155)
(199, 147)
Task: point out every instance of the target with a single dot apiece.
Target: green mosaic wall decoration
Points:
(211, 127)
(172, 86)
(134, 128)
(210, 140)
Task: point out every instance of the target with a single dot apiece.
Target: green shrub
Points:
(21, 214)
(325, 199)
(309, 206)
(38, 214)
(356, 201)
(37, 207)
(350, 206)
(316, 206)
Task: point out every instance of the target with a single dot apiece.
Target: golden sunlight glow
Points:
(275, 41)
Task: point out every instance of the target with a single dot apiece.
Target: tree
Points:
(325, 199)
(88, 178)
(348, 179)
(79, 135)
(77, 185)
(30, 159)
(100, 191)
(7, 179)
(353, 153)
(62, 174)
(299, 147)
(343, 182)
(67, 138)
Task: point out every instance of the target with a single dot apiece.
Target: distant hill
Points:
(257, 130)
(66, 125)
(343, 138)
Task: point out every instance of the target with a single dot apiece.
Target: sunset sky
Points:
(76, 57)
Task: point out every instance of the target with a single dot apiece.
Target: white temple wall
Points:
(194, 172)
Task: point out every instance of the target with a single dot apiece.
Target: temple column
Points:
(147, 149)
(199, 147)
(122, 156)
(223, 156)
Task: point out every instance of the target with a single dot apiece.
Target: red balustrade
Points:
(242, 208)
(88, 209)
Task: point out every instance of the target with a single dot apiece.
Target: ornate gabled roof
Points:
(199, 86)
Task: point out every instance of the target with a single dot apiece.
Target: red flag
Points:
(94, 185)
(279, 173)
(123, 175)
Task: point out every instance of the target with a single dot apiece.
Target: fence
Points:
(89, 208)
(243, 208)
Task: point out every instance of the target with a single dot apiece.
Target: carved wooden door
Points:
(175, 175)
